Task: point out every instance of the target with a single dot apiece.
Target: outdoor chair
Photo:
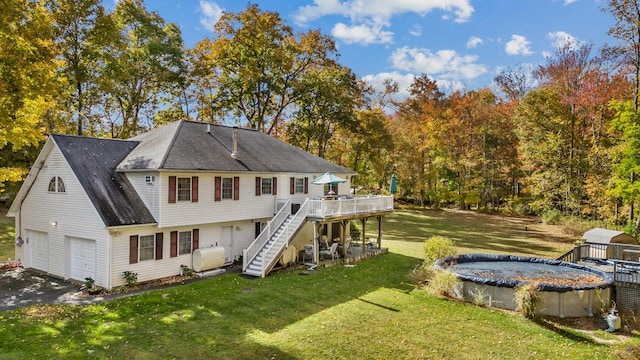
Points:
(308, 253)
(332, 252)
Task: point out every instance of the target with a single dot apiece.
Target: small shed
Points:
(601, 238)
(606, 236)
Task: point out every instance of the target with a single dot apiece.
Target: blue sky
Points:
(462, 44)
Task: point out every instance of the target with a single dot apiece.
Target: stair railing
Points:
(252, 251)
(268, 261)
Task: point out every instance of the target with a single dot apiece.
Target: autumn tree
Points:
(28, 83)
(254, 71)
(82, 29)
(515, 82)
(627, 30)
(327, 102)
(420, 133)
(142, 67)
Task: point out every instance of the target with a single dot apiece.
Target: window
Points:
(56, 185)
(227, 188)
(299, 186)
(147, 247)
(184, 189)
(266, 185)
(184, 242)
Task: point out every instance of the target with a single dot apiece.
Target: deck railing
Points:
(602, 252)
(323, 208)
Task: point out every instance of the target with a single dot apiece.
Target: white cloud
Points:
(416, 30)
(371, 16)
(518, 45)
(560, 38)
(361, 34)
(569, 2)
(211, 14)
(473, 42)
(444, 64)
(382, 9)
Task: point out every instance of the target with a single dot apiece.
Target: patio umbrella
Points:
(328, 178)
(393, 188)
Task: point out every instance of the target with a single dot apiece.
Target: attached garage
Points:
(82, 256)
(38, 242)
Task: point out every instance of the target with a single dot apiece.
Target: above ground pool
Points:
(567, 289)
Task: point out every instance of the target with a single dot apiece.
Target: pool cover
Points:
(513, 271)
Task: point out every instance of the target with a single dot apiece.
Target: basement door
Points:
(83, 259)
(226, 240)
(39, 250)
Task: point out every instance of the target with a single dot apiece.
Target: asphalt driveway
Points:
(20, 288)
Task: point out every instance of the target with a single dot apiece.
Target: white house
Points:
(98, 207)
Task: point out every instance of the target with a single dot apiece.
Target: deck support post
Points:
(379, 239)
(364, 224)
(343, 235)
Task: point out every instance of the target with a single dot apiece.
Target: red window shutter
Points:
(173, 252)
(196, 238)
(133, 249)
(306, 185)
(218, 189)
(172, 189)
(159, 244)
(292, 185)
(236, 188)
(258, 185)
(274, 185)
(194, 189)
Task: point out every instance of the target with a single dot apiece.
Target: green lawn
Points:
(370, 311)
(405, 231)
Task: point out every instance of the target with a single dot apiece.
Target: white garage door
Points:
(39, 244)
(83, 259)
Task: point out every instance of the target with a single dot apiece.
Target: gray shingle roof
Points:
(187, 145)
(94, 163)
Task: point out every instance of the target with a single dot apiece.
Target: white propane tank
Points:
(208, 258)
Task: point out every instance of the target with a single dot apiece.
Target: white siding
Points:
(209, 236)
(206, 210)
(73, 214)
(248, 207)
(149, 193)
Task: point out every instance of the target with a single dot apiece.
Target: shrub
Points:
(575, 226)
(444, 283)
(552, 217)
(438, 247)
(421, 274)
(479, 296)
(527, 299)
(88, 283)
(130, 278)
(185, 270)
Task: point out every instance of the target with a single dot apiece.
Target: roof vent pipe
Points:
(234, 153)
(208, 128)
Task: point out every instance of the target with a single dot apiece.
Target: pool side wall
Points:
(574, 303)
